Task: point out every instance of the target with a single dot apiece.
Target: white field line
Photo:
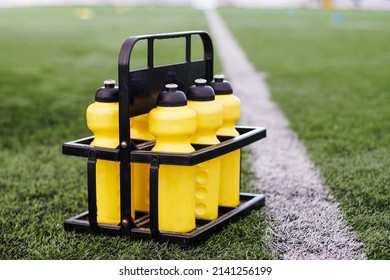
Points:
(307, 221)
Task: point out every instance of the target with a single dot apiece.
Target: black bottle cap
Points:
(220, 85)
(200, 91)
(171, 97)
(108, 93)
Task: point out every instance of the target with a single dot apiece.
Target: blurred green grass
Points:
(52, 62)
(329, 72)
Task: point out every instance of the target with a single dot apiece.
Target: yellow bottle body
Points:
(229, 192)
(103, 121)
(207, 174)
(172, 127)
(140, 172)
(108, 192)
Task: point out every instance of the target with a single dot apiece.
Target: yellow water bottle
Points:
(103, 121)
(229, 192)
(201, 99)
(140, 172)
(172, 123)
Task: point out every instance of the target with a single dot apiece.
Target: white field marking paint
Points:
(307, 221)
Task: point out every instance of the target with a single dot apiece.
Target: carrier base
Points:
(204, 228)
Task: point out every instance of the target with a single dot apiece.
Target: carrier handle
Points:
(124, 70)
(128, 45)
(125, 95)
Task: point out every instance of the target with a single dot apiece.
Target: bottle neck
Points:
(106, 139)
(177, 144)
(228, 128)
(205, 137)
(139, 128)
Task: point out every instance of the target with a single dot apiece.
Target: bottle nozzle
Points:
(108, 93)
(171, 87)
(109, 83)
(219, 77)
(200, 82)
(171, 97)
(220, 85)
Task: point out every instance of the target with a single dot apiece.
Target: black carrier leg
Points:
(92, 204)
(153, 198)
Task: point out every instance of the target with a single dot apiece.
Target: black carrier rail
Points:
(138, 91)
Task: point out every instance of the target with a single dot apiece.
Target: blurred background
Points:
(327, 65)
(338, 4)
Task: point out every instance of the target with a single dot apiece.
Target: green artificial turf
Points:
(329, 72)
(51, 63)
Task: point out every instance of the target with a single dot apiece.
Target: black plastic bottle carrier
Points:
(138, 91)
